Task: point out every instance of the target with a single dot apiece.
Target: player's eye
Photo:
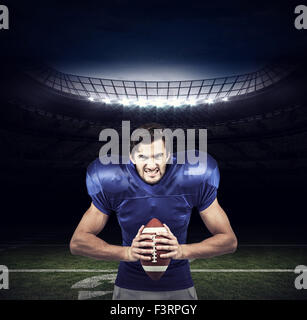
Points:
(159, 156)
(141, 157)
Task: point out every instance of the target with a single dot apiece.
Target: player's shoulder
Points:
(110, 176)
(206, 167)
(97, 167)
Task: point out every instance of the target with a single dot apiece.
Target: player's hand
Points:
(170, 244)
(139, 247)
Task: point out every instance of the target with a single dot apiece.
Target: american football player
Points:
(145, 188)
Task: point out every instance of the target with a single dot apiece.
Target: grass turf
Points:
(213, 285)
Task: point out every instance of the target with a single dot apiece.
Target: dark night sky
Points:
(151, 40)
(154, 40)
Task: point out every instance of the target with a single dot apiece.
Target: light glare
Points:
(142, 102)
(125, 102)
(157, 102)
(106, 100)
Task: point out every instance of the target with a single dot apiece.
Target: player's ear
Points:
(168, 156)
(131, 158)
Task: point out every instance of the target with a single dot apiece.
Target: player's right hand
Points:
(139, 247)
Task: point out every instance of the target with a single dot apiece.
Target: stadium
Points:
(257, 132)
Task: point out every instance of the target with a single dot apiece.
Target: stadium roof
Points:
(160, 93)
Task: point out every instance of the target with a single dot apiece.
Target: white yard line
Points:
(115, 270)
(33, 245)
(273, 245)
(62, 270)
(242, 270)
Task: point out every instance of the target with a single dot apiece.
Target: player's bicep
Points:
(215, 219)
(93, 221)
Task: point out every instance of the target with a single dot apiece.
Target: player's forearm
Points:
(87, 244)
(214, 246)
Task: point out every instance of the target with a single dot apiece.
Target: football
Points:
(156, 267)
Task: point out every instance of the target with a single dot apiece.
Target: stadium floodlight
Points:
(192, 102)
(142, 102)
(209, 101)
(125, 102)
(91, 99)
(225, 99)
(176, 103)
(106, 100)
(159, 102)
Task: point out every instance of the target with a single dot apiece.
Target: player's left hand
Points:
(169, 243)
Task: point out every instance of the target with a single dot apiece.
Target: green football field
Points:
(252, 272)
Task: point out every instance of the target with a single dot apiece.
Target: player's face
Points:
(150, 161)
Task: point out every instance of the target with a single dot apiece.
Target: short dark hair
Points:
(151, 129)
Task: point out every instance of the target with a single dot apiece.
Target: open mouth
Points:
(152, 172)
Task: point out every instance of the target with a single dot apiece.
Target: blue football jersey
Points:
(118, 189)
